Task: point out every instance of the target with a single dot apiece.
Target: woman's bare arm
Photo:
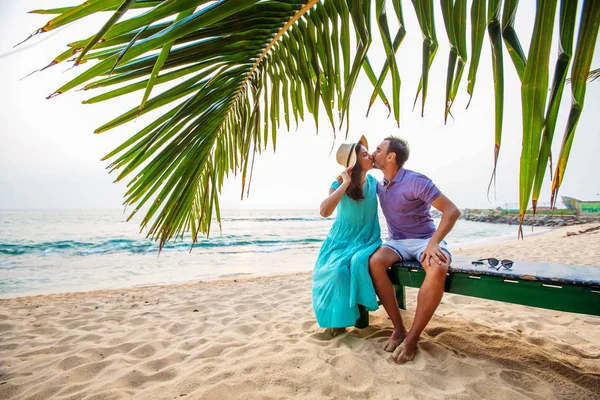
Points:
(335, 195)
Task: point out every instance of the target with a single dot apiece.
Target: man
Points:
(406, 197)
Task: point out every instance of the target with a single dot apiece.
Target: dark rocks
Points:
(494, 217)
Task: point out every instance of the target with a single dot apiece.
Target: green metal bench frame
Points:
(581, 299)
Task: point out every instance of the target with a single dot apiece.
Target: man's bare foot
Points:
(394, 340)
(406, 351)
(336, 331)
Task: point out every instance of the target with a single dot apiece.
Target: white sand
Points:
(258, 339)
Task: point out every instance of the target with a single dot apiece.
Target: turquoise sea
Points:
(51, 251)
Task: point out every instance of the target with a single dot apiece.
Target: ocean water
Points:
(50, 251)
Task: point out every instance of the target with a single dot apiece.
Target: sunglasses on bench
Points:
(492, 262)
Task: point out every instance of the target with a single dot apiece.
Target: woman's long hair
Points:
(355, 190)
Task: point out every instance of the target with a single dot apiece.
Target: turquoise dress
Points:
(341, 279)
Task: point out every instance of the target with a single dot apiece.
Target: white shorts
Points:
(412, 249)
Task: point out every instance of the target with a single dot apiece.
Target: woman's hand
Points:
(330, 203)
(346, 175)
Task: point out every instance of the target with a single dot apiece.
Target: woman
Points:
(341, 279)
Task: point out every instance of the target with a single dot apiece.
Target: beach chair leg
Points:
(400, 296)
(363, 320)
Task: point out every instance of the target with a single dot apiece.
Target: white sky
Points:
(49, 156)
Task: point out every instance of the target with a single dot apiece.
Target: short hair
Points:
(400, 148)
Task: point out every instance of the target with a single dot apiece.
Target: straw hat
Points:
(346, 154)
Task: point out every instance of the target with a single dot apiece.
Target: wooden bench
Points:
(570, 288)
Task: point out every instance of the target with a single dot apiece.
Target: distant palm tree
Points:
(241, 68)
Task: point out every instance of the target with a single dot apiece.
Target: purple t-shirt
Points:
(405, 202)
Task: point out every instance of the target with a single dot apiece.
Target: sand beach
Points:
(257, 338)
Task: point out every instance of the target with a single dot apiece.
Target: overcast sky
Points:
(49, 156)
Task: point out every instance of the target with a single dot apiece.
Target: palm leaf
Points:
(454, 14)
(586, 42)
(568, 12)
(424, 10)
(124, 28)
(448, 13)
(534, 88)
(378, 82)
(478, 23)
(460, 28)
(513, 45)
(62, 10)
(390, 50)
(494, 33)
(111, 21)
(160, 61)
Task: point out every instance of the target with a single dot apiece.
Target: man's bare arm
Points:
(450, 214)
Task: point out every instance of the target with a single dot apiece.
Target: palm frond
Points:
(568, 12)
(424, 11)
(478, 24)
(586, 42)
(455, 19)
(534, 91)
(511, 40)
(233, 63)
(494, 32)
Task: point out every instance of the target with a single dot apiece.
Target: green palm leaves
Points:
(494, 32)
(580, 71)
(235, 71)
(455, 19)
(425, 15)
(224, 75)
(567, 29)
(534, 88)
(534, 91)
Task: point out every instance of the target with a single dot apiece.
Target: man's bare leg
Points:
(428, 299)
(379, 263)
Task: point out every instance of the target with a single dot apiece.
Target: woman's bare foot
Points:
(406, 351)
(336, 331)
(394, 340)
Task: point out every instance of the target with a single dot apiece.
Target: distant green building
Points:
(582, 207)
(590, 207)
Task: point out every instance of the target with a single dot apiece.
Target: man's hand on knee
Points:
(434, 254)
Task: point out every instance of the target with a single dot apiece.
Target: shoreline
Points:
(467, 249)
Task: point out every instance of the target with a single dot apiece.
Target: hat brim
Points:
(364, 142)
(346, 154)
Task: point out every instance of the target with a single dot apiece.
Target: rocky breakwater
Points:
(530, 220)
